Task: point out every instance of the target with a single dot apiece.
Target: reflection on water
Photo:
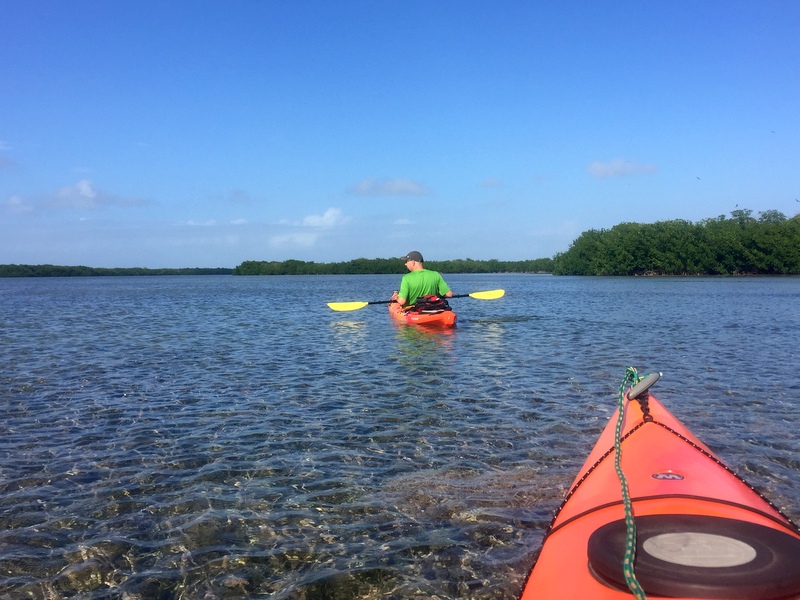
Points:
(223, 437)
(423, 345)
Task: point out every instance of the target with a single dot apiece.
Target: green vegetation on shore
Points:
(59, 271)
(389, 266)
(359, 266)
(741, 245)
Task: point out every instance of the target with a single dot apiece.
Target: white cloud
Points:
(17, 205)
(293, 240)
(404, 222)
(84, 195)
(80, 195)
(618, 167)
(306, 233)
(239, 222)
(331, 218)
(389, 187)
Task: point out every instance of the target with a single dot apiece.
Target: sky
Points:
(206, 133)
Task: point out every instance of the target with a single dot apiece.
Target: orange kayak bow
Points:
(698, 529)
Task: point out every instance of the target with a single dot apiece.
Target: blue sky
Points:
(204, 134)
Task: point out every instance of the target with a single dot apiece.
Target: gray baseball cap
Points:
(413, 255)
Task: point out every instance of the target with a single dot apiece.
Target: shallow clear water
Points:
(231, 437)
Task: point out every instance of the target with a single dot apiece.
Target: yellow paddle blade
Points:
(345, 306)
(488, 295)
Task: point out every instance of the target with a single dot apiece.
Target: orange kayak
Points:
(700, 530)
(443, 318)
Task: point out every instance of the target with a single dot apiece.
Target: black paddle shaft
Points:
(443, 297)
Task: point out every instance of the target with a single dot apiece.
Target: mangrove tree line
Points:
(740, 245)
(81, 271)
(389, 266)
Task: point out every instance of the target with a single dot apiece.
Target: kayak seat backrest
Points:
(430, 305)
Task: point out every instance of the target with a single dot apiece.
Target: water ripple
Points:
(220, 437)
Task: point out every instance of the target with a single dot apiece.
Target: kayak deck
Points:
(701, 530)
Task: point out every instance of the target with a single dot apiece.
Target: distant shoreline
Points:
(81, 271)
(22, 271)
(361, 266)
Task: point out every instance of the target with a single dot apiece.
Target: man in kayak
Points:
(419, 281)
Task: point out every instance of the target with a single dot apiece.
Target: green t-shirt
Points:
(421, 283)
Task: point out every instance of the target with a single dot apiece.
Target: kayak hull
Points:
(702, 531)
(443, 319)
